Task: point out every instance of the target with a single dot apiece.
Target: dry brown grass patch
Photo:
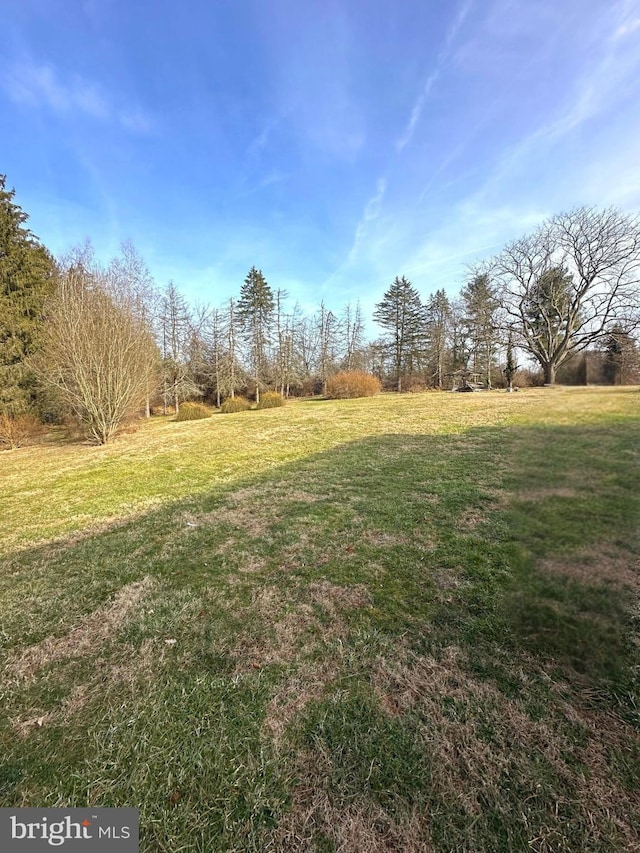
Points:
(84, 638)
(457, 708)
(297, 633)
(289, 631)
(331, 596)
(598, 566)
(307, 684)
(106, 676)
(544, 494)
(360, 827)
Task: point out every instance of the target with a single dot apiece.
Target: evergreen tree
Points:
(621, 358)
(26, 277)
(402, 314)
(510, 367)
(548, 320)
(480, 309)
(255, 315)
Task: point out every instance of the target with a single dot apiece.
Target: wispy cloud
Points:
(416, 112)
(42, 86)
(371, 211)
(592, 96)
(443, 56)
(629, 20)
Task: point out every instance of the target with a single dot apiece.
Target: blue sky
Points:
(334, 144)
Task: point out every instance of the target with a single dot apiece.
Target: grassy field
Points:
(406, 623)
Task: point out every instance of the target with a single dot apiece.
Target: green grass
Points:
(400, 623)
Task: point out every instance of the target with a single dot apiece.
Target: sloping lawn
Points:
(405, 623)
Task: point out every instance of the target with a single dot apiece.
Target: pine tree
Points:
(480, 309)
(255, 315)
(511, 367)
(402, 314)
(26, 277)
(621, 358)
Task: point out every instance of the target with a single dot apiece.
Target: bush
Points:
(234, 404)
(19, 430)
(270, 400)
(192, 412)
(352, 383)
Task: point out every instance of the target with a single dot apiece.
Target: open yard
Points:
(405, 623)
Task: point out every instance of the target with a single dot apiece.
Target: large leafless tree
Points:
(564, 286)
(98, 354)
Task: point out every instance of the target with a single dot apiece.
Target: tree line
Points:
(100, 341)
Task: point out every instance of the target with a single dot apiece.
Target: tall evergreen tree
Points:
(26, 277)
(255, 314)
(481, 321)
(621, 358)
(402, 314)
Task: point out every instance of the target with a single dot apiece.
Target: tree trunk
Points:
(549, 373)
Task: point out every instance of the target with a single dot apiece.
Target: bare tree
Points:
(438, 315)
(97, 354)
(326, 328)
(564, 286)
(176, 327)
(131, 285)
(305, 344)
(352, 328)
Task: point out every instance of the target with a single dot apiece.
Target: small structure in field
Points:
(466, 380)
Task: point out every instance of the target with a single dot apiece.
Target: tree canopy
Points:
(26, 277)
(565, 285)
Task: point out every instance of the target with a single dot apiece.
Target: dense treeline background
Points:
(93, 343)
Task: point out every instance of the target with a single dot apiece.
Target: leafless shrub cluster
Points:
(18, 430)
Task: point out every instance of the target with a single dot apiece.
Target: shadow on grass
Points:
(450, 536)
(405, 515)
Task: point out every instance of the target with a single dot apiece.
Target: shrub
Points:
(270, 400)
(192, 412)
(352, 383)
(19, 430)
(234, 404)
